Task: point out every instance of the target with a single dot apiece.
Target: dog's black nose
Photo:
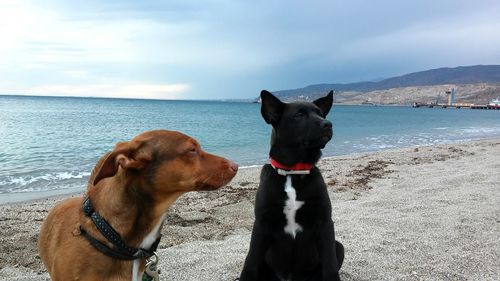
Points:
(233, 166)
(326, 124)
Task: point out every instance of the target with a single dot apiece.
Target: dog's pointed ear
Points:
(125, 155)
(325, 103)
(271, 108)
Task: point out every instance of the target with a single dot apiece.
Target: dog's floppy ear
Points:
(325, 103)
(124, 155)
(272, 107)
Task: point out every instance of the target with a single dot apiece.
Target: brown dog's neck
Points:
(129, 206)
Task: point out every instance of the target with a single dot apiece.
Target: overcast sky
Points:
(232, 49)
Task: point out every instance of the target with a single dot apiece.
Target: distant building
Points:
(494, 102)
(451, 96)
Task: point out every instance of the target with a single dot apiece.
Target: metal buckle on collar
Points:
(294, 172)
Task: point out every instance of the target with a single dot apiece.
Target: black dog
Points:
(293, 238)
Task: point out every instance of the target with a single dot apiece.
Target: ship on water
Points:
(494, 102)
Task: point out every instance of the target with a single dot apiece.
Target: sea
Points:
(49, 145)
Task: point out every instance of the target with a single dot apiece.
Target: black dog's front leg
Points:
(331, 252)
(255, 265)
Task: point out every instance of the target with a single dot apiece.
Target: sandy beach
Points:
(427, 213)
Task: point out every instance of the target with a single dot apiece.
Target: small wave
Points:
(445, 135)
(480, 130)
(23, 181)
(250, 166)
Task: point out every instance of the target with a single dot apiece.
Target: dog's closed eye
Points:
(299, 115)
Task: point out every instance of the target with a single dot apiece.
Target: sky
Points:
(228, 49)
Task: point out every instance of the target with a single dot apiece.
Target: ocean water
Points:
(51, 144)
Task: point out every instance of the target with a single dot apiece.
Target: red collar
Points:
(297, 169)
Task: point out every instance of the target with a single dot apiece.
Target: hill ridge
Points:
(439, 76)
(422, 86)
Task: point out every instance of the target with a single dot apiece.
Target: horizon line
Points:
(123, 98)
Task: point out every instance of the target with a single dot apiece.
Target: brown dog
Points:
(132, 188)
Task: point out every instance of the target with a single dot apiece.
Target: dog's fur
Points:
(132, 187)
(293, 236)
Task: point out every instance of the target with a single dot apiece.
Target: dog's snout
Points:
(326, 124)
(233, 166)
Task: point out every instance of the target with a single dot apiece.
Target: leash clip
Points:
(151, 271)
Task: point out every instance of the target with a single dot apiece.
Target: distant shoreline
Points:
(367, 104)
(170, 100)
(125, 98)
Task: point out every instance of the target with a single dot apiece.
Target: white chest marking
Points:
(146, 244)
(290, 208)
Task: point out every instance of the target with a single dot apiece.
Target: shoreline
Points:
(418, 213)
(26, 197)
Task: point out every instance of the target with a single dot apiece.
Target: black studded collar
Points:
(120, 250)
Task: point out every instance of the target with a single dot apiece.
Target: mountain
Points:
(487, 76)
(458, 75)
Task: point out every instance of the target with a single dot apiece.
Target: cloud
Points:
(143, 91)
(76, 73)
(230, 49)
